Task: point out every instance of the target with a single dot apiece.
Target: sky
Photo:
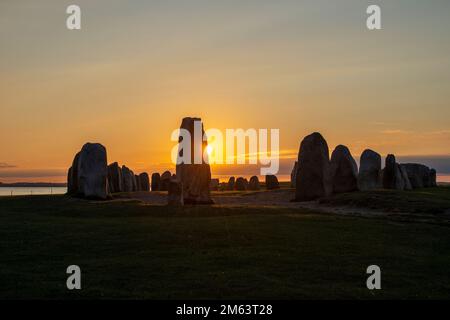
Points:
(136, 68)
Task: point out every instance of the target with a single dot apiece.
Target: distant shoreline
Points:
(32, 185)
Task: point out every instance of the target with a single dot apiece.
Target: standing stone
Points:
(93, 172)
(240, 184)
(115, 177)
(344, 170)
(230, 184)
(144, 181)
(214, 185)
(369, 176)
(433, 182)
(272, 182)
(195, 177)
(393, 178)
(156, 181)
(72, 180)
(294, 175)
(138, 182)
(165, 181)
(127, 179)
(313, 174)
(175, 194)
(407, 184)
(390, 176)
(419, 175)
(254, 183)
(134, 182)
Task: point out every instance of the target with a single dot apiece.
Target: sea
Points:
(26, 191)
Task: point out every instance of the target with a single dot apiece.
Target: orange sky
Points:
(135, 70)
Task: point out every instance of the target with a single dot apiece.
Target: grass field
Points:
(129, 250)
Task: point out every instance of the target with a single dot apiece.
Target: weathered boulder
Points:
(294, 175)
(156, 181)
(214, 185)
(194, 175)
(433, 182)
(115, 178)
(419, 175)
(138, 182)
(240, 184)
(254, 183)
(369, 176)
(344, 170)
(390, 174)
(127, 179)
(313, 174)
(93, 172)
(72, 178)
(144, 181)
(230, 184)
(406, 183)
(69, 181)
(165, 181)
(272, 182)
(175, 194)
(394, 176)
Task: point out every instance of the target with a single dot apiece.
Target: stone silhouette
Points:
(115, 178)
(195, 178)
(156, 181)
(419, 175)
(127, 179)
(165, 181)
(89, 173)
(254, 183)
(214, 185)
(230, 184)
(344, 170)
(138, 182)
(394, 177)
(294, 175)
(144, 181)
(369, 176)
(175, 194)
(314, 173)
(433, 182)
(272, 182)
(240, 184)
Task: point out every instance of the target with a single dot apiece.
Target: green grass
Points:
(129, 250)
(429, 200)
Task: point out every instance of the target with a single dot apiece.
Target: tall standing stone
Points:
(165, 181)
(93, 172)
(433, 182)
(240, 184)
(344, 170)
(272, 182)
(195, 177)
(369, 176)
(230, 184)
(127, 179)
(313, 174)
(138, 182)
(156, 181)
(144, 181)
(390, 174)
(294, 175)
(254, 183)
(115, 177)
(175, 194)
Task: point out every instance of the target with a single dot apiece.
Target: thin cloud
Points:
(4, 165)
